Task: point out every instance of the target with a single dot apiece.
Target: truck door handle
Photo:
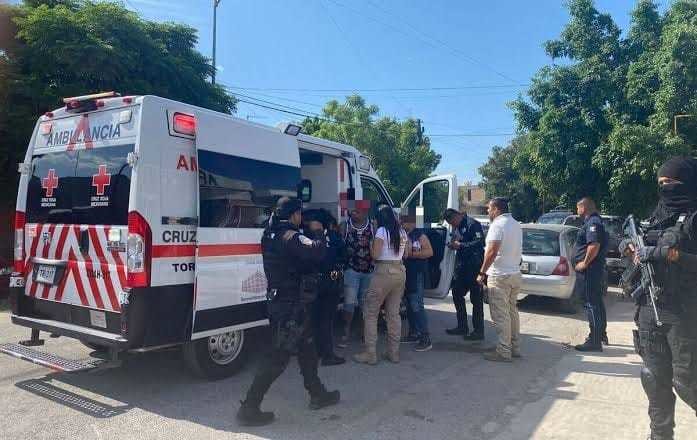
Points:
(84, 242)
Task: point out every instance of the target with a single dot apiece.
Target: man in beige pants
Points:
(501, 273)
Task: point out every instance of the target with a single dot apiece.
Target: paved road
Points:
(448, 393)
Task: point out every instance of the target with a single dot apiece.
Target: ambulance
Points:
(139, 220)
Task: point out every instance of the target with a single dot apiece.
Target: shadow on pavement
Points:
(158, 383)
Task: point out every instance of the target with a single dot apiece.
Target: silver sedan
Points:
(547, 265)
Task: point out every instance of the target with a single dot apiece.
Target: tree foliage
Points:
(601, 122)
(50, 49)
(402, 159)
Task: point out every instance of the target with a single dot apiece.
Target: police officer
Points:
(590, 251)
(468, 241)
(288, 257)
(321, 225)
(669, 351)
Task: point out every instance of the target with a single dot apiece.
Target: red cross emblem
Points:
(50, 182)
(101, 180)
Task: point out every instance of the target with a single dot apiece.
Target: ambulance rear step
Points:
(49, 360)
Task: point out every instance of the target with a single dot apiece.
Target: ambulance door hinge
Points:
(132, 158)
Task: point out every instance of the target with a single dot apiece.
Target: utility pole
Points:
(419, 132)
(215, 19)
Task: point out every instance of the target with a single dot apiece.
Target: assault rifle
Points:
(647, 286)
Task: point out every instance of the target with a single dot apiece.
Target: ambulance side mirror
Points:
(305, 191)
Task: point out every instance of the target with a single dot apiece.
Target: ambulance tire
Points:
(218, 356)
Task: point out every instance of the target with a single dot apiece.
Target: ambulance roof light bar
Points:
(91, 97)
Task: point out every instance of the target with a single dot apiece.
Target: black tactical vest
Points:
(678, 279)
(281, 272)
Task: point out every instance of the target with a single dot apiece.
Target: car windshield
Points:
(556, 218)
(613, 226)
(540, 242)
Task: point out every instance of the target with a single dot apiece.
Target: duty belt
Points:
(333, 275)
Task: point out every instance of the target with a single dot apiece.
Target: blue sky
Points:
(379, 44)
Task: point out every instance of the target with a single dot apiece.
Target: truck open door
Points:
(428, 200)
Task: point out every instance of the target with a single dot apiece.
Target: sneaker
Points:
(332, 360)
(495, 356)
(457, 331)
(325, 399)
(410, 339)
(253, 416)
(474, 337)
(424, 344)
(366, 358)
(343, 342)
(605, 340)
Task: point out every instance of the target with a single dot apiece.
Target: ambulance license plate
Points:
(45, 274)
(525, 267)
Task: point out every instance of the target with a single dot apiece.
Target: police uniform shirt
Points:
(470, 231)
(591, 232)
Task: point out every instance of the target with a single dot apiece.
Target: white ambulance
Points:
(139, 220)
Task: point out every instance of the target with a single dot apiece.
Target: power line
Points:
(471, 134)
(425, 38)
(402, 89)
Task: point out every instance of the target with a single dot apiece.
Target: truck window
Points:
(373, 192)
(435, 201)
(88, 187)
(236, 192)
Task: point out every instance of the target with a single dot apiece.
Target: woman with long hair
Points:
(386, 286)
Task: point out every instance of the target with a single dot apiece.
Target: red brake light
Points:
(562, 268)
(138, 251)
(19, 255)
(128, 99)
(185, 124)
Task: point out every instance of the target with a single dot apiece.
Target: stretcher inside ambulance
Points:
(139, 220)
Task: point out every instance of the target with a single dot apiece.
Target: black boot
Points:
(251, 415)
(332, 359)
(457, 331)
(590, 345)
(324, 399)
(474, 336)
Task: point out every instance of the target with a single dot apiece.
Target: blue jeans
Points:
(355, 285)
(416, 313)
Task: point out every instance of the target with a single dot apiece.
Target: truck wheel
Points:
(218, 356)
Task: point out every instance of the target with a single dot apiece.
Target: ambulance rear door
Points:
(427, 201)
(244, 169)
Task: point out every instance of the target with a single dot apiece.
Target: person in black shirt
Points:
(321, 225)
(468, 241)
(589, 255)
(417, 266)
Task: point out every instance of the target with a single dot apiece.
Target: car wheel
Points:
(217, 356)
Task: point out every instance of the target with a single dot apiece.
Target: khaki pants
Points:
(503, 297)
(386, 286)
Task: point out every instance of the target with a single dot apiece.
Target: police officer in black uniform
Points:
(468, 241)
(289, 257)
(669, 351)
(321, 225)
(590, 253)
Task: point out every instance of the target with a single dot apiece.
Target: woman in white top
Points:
(386, 286)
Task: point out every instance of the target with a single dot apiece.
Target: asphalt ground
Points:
(449, 392)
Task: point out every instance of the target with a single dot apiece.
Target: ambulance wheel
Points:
(218, 356)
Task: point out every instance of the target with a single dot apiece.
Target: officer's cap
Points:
(286, 207)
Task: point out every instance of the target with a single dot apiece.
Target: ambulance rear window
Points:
(80, 187)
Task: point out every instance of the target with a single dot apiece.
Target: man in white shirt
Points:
(501, 273)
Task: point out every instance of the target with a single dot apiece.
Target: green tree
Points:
(396, 149)
(56, 48)
(601, 122)
(501, 177)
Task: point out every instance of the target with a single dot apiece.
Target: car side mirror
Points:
(305, 191)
